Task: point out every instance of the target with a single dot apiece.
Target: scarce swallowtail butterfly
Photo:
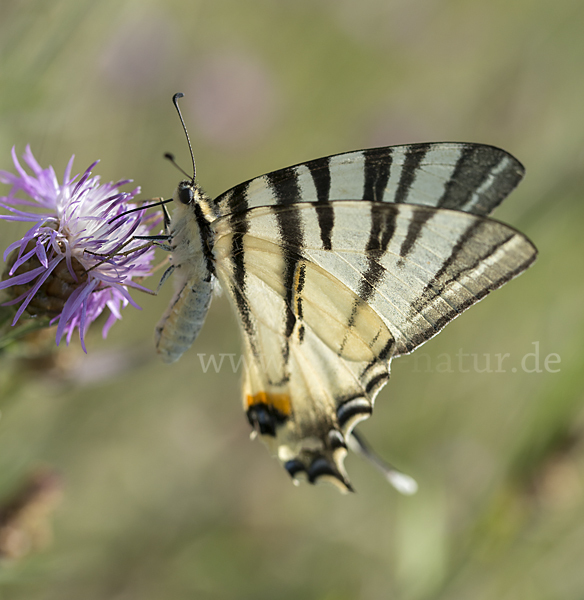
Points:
(334, 267)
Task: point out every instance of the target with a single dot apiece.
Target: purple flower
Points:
(75, 260)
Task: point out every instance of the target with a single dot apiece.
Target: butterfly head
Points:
(189, 195)
(186, 192)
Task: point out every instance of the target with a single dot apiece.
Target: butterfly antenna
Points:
(175, 99)
(400, 481)
(169, 156)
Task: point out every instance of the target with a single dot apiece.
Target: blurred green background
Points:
(164, 494)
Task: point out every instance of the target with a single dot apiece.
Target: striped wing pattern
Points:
(473, 178)
(339, 264)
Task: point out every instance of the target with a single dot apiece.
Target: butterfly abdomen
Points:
(194, 281)
(183, 319)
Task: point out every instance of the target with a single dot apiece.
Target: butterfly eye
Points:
(185, 193)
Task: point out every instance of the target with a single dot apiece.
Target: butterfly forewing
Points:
(473, 178)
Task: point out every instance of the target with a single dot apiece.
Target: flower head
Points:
(77, 258)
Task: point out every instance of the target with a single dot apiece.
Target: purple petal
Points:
(10, 248)
(72, 305)
(19, 169)
(24, 216)
(16, 300)
(35, 288)
(82, 326)
(67, 174)
(21, 279)
(22, 259)
(126, 295)
(42, 255)
(31, 161)
(108, 324)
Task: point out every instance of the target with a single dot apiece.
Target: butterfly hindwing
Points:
(323, 324)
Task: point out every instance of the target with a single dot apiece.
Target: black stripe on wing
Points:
(298, 288)
(239, 228)
(321, 177)
(415, 229)
(415, 154)
(284, 184)
(377, 165)
(380, 234)
(356, 407)
(489, 172)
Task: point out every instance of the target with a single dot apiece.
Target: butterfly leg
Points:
(162, 240)
(108, 256)
(165, 276)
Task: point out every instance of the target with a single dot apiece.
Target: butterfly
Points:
(334, 267)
